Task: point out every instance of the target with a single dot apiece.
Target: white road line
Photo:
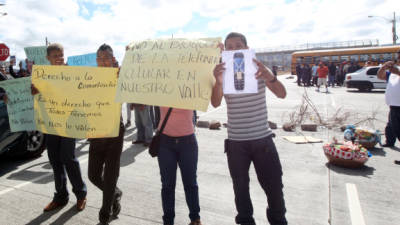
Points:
(333, 101)
(32, 181)
(356, 214)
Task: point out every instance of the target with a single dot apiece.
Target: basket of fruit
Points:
(346, 154)
(365, 137)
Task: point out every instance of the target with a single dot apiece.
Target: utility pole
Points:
(394, 28)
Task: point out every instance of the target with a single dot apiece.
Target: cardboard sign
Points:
(37, 54)
(76, 102)
(20, 104)
(169, 72)
(82, 60)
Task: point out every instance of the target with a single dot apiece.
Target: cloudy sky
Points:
(82, 25)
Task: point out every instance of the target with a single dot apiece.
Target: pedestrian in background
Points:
(314, 75)
(322, 76)
(391, 73)
(306, 75)
(144, 124)
(332, 74)
(298, 73)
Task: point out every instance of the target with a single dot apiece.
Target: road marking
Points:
(32, 181)
(333, 101)
(356, 214)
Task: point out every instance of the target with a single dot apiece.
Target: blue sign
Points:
(82, 60)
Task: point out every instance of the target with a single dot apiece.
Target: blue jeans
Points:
(61, 152)
(182, 151)
(331, 80)
(262, 152)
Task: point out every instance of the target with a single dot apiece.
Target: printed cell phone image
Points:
(238, 69)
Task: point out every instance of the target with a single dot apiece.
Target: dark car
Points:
(19, 144)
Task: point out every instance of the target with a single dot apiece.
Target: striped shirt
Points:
(247, 115)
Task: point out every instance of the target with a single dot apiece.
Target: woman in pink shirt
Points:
(178, 147)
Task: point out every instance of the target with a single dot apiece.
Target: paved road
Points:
(315, 192)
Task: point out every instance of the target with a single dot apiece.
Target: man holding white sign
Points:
(250, 138)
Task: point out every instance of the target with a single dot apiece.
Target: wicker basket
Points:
(348, 163)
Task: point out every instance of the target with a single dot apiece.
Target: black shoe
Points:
(116, 207)
(388, 145)
(104, 218)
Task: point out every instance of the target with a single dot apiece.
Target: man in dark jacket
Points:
(332, 73)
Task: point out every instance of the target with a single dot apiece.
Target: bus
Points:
(375, 55)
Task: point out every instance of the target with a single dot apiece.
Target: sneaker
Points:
(317, 90)
(116, 207)
(195, 222)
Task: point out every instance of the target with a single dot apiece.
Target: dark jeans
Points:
(106, 152)
(331, 80)
(263, 154)
(182, 151)
(392, 130)
(61, 152)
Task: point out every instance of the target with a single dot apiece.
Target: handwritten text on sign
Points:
(169, 72)
(20, 104)
(76, 101)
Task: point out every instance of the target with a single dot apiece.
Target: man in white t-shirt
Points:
(391, 72)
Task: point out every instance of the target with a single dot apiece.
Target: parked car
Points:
(20, 144)
(365, 79)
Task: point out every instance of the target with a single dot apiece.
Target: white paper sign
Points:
(239, 75)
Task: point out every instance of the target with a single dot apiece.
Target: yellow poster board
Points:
(169, 72)
(76, 101)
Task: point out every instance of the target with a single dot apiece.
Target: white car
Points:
(365, 79)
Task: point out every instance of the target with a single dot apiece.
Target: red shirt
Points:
(322, 72)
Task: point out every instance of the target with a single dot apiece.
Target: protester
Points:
(144, 124)
(322, 74)
(178, 147)
(3, 74)
(250, 140)
(391, 72)
(61, 152)
(104, 156)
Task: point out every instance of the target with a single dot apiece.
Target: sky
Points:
(81, 26)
